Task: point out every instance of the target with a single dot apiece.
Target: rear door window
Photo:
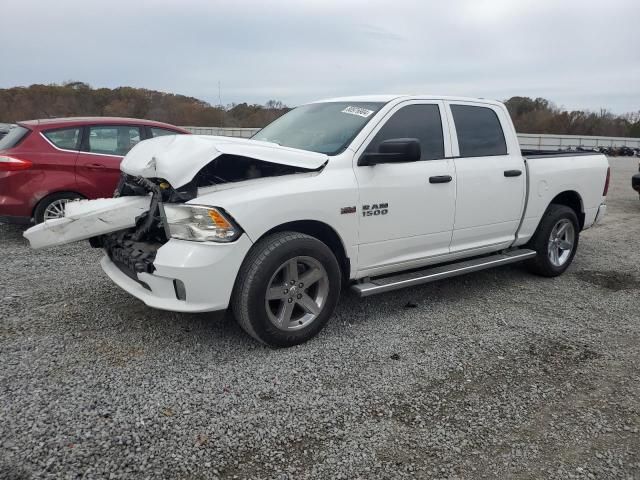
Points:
(111, 139)
(421, 121)
(479, 131)
(64, 138)
(13, 137)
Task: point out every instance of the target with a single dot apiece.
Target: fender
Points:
(259, 206)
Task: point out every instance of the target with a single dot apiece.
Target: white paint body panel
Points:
(479, 211)
(484, 217)
(550, 176)
(420, 219)
(207, 270)
(260, 205)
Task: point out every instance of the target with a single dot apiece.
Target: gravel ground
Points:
(498, 374)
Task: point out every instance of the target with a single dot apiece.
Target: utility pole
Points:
(224, 113)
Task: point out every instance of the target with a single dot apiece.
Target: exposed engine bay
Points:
(235, 168)
(133, 250)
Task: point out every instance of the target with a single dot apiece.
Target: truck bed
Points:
(527, 153)
(581, 175)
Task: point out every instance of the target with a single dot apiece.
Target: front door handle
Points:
(440, 179)
(96, 166)
(512, 173)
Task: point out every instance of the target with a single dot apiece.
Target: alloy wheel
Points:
(561, 242)
(55, 209)
(297, 293)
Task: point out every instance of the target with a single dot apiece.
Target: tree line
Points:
(79, 99)
(541, 116)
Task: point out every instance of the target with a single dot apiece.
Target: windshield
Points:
(13, 137)
(326, 127)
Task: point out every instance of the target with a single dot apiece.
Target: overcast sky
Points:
(579, 54)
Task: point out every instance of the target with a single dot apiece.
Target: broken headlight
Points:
(199, 223)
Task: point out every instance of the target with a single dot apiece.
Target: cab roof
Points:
(391, 97)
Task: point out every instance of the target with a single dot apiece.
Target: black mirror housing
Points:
(394, 150)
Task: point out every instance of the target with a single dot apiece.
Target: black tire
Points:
(542, 264)
(38, 214)
(264, 261)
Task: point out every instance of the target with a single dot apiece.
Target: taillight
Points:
(10, 164)
(606, 182)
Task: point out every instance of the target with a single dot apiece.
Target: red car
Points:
(46, 163)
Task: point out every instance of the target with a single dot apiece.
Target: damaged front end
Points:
(133, 249)
(132, 226)
(158, 176)
(161, 245)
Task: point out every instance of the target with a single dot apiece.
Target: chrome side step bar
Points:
(401, 280)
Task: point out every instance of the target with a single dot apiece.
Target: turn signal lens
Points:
(10, 164)
(218, 219)
(200, 223)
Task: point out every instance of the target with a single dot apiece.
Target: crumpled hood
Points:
(178, 158)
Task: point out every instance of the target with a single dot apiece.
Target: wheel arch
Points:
(323, 232)
(51, 194)
(573, 200)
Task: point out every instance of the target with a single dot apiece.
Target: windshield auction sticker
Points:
(361, 112)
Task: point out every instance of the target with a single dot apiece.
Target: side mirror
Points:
(395, 150)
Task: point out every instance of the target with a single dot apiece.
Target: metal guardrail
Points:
(527, 140)
(556, 142)
(223, 131)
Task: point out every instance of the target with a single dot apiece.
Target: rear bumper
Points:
(207, 271)
(17, 220)
(635, 182)
(18, 195)
(602, 211)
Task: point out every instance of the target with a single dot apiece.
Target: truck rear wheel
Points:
(555, 241)
(287, 289)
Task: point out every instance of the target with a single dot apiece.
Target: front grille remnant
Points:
(137, 257)
(134, 250)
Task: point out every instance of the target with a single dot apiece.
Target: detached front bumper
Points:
(201, 273)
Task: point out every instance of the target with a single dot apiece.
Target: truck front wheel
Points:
(287, 289)
(556, 241)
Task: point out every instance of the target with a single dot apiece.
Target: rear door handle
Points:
(440, 179)
(512, 173)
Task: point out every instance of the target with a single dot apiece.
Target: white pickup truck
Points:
(376, 192)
